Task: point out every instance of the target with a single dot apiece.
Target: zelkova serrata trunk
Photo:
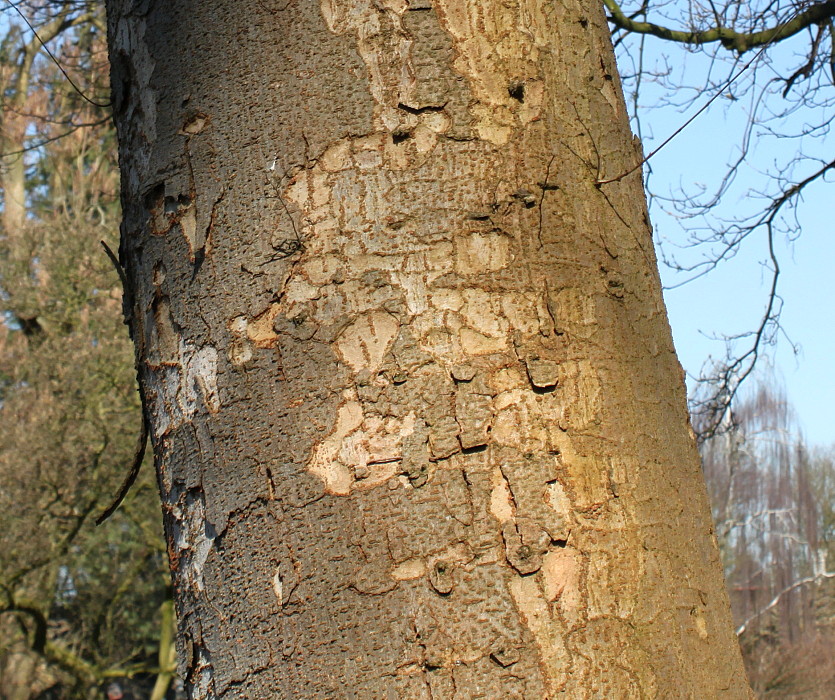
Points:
(419, 427)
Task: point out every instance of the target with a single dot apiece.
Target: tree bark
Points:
(419, 427)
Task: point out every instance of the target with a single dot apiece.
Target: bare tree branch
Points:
(727, 37)
(776, 599)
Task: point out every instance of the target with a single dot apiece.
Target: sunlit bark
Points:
(419, 425)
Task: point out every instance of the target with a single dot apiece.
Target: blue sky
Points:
(730, 299)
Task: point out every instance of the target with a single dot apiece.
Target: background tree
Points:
(77, 604)
(773, 503)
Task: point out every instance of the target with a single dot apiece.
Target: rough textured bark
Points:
(419, 427)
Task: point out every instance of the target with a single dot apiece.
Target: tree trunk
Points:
(13, 185)
(18, 670)
(13, 170)
(419, 427)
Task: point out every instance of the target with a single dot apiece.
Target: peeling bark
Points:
(418, 423)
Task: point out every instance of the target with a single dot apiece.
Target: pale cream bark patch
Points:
(442, 565)
(260, 330)
(240, 349)
(558, 500)
(278, 587)
(195, 124)
(498, 47)
(409, 570)
(561, 571)
(475, 343)
(548, 633)
(361, 451)
(699, 622)
(188, 223)
(502, 506)
(325, 461)
(183, 376)
(192, 542)
(201, 373)
(364, 343)
(253, 333)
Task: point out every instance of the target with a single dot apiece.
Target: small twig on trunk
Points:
(142, 442)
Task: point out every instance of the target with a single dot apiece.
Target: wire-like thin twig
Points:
(58, 137)
(730, 81)
(130, 478)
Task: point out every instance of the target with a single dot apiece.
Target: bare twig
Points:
(142, 441)
(820, 576)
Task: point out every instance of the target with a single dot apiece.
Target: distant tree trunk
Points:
(419, 426)
(14, 191)
(16, 72)
(17, 673)
(15, 121)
